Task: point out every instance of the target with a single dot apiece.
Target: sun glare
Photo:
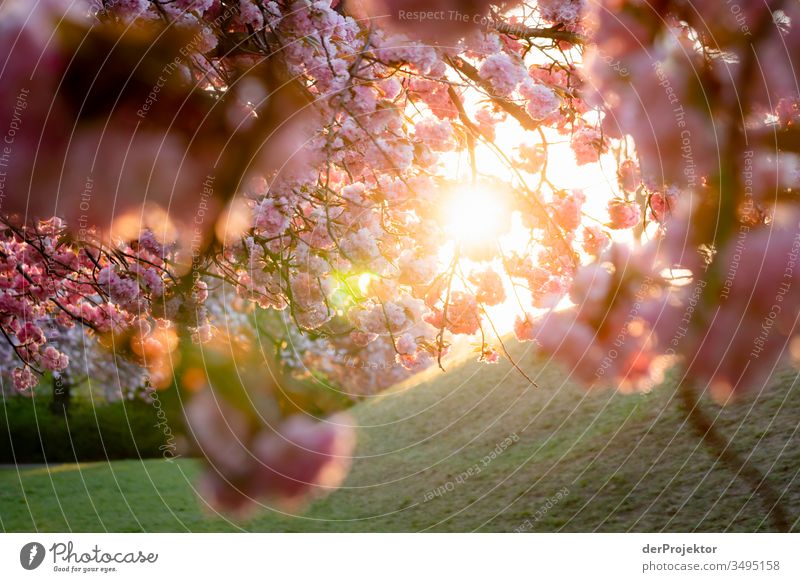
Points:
(480, 221)
(475, 214)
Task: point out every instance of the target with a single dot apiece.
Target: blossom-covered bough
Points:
(342, 189)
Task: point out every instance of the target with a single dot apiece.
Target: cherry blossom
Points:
(233, 163)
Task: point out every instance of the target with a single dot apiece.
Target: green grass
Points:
(628, 462)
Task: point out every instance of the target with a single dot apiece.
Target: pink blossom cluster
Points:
(489, 287)
(503, 72)
(51, 286)
(562, 11)
(542, 101)
(608, 336)
(284, 463)
(622, 214)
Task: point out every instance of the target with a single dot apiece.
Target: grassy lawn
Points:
(621, 462)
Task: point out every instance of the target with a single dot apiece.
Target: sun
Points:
(475, 214)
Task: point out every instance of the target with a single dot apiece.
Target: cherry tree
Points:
(384, 178)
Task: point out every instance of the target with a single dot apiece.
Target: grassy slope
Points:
(627, 461)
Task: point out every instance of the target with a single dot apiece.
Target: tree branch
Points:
(514, 110)
(528, 32)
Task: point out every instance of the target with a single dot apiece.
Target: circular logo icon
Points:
(31, 555)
